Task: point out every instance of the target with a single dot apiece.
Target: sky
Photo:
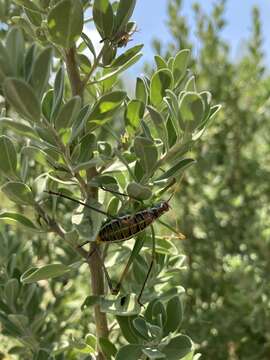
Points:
(151, 16)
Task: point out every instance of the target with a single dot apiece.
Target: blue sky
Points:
(151, 16)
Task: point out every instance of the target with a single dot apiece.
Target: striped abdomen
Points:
(128, 226)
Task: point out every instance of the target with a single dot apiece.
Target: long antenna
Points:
(77, 201)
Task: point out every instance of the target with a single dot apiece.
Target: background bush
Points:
(224, 201)
(68, 125)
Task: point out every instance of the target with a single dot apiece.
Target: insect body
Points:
(125, 227)
(122, 38)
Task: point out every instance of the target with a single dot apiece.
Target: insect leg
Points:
(84, 243)
(178, 233)
(113, 191)
(153, 257)
(137, 247)
(118, 193)
(79, 202)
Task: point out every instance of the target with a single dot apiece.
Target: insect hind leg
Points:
(153, 258)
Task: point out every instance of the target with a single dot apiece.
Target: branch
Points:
(73, 72)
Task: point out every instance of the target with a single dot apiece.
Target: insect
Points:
(118, 229)
(122, 38)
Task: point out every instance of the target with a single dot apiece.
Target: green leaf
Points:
(24, 24)
(122, 68)
(124, 306)
(87, 222)
(127, 329)
(33, 16)
(178, 347)
(180, 65)
(59, 84)
(18, 192)
(160, 82)
(107, 347)
(134, 113)
(153, 353)
(105, 107)
(42, 355)
(83, 151)
(191, 84)
(65, 22)
(124, 12)
(8, 325)
(22, 97)
(191, 108)
(91, 341)
(141, 91)
(160, 62)
(108, 55)
(103, 17)
(89, 44)
(84, 63)
(29, 4)
(41, 71)
(11, 291)
(44, 273)
(8, 156)
(19, 128)
(160, 124)
(80, 123)
(5, 65)
(214, 110)
(130, 352)
(174, 311)
(139, 191)
(47, 135)
(20, 321)
(141, 327)
(15, 49)
(12, 217)
(176, 169)
(159, 314)
(126, 56)
(47, 104)
(68, 113)
(146, 151)
(90, 301)
(172, 103)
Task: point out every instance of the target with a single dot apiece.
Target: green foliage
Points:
(68, 126)
(224, 208)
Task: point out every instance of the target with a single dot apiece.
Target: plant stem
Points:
(95, 65)
(73, 72)
(97, 275)
(96, 270)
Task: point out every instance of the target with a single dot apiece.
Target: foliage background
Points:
(224, 202)
(222, 208)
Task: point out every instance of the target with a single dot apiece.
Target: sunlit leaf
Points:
(65, 22)
(19, 193)
(12, 217)
(103, 17)
(161, 80)
(44, 273)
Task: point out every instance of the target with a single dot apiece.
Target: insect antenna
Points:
(78, 202)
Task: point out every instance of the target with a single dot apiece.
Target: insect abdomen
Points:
(128, 226)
